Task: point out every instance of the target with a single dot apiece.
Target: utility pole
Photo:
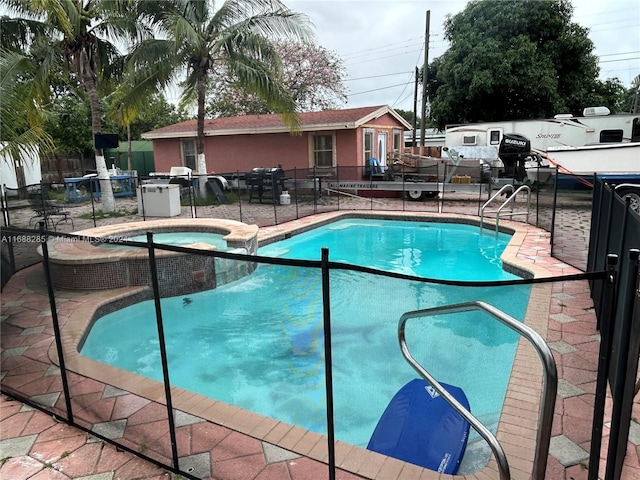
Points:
(425, 78)
(415, 111)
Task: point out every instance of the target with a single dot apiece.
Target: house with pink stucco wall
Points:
(325, 140)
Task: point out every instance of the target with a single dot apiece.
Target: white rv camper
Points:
(596, 126)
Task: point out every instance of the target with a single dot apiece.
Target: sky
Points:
(381, 41)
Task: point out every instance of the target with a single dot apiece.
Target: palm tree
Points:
(22, 94)
(199, 39)
(79, 36)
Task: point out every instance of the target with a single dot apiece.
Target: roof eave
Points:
(380, 112)
(250, 131)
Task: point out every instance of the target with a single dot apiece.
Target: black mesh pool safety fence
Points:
(300, 358)
(82, 392)
(294, 194)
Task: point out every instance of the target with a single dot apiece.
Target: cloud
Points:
(381, 41)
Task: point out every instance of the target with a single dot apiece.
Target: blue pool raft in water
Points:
(420, 427)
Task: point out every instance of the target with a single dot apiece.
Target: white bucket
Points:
(285, 198)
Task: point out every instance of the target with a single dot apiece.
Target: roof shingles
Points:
(270, 122)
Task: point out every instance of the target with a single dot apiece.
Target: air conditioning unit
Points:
(595, 111)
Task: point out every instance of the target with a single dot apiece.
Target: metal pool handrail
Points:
(509, 201)
(550, 384)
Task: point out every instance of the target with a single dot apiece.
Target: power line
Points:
(400, 50)
(383, 49)
(624, 53)
(411, 77)
(619, 60)
(387, 56)
(383, 46)
(376, 89)
(376, 76)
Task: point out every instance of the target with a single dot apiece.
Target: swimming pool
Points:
(79, 264)
(257, 342)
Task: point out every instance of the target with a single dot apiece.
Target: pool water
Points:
(257, 343)
(177, 239)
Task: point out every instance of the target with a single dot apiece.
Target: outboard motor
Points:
(514, 150)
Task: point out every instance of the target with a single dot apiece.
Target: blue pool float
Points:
(420, 427)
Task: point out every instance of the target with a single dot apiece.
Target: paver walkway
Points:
(35, 446)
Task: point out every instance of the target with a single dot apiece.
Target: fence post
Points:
(623, 390)
(144, 215)
(609, 299)
(274, 197)
(163, 348)
(295, 190)
(93, 206)
(239, 198)
(7, 223)
(56, 324)
(192, 197)
(553, 210)
(328, 368)
(606, 246)
(315, 194)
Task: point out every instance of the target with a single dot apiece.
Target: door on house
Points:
(382, 150)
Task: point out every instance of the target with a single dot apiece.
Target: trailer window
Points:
(494, 137)
(469, 140)
(635, 130)
(611, 136)
(323, 150)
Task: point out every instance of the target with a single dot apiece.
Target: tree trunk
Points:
(201, 160)
(106, 192)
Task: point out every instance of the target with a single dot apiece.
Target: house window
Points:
(397, 140)
(323, 150)
(368, 146)
(189, 154)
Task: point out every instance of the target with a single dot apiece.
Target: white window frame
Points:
(398, 140)
(185, 154)
(312, 149)
(368, 154)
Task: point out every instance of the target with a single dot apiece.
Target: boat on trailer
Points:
(420, 427)
(614, 161)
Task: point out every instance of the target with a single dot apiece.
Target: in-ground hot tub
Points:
(81, 264)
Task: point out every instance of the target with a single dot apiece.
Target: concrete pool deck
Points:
(274, 450)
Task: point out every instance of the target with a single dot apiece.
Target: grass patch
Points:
(100, 215)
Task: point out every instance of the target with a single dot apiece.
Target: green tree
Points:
(157, 113)
(513, 60)
(239, 38)
(407, 115)
(133, 120)
(80, 38)
(23, 93)
(68, 121)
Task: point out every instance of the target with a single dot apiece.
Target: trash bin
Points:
(159, 200)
